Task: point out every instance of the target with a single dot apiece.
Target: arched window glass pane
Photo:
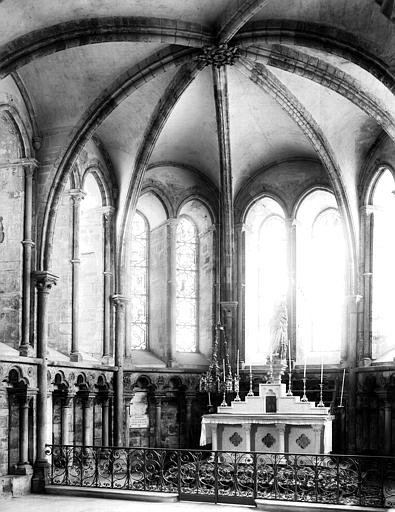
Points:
(91, 289)
(383, 281)
(266, 279)
(320, 272)
(186, 286)
(139, 283)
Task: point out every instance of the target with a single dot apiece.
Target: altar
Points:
(269, 422)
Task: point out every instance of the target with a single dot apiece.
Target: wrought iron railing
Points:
(221, 476)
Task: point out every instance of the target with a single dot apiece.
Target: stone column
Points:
(25, 348)
(229, 310)
(247, 433)
(24, 466)
(108, 215)
(67, 404)
(105, 437)
(240, 238)
(280, 427)
(171, 291)
(76, 196)
(88, 419)
(364, 348)
(158, 421)
(226, 206)
(119, 302)
(291, 304)
(44, 282)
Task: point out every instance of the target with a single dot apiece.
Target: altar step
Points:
(119, 494)
(295, 506)
(255, 404)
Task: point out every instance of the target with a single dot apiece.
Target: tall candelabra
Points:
(219, 378)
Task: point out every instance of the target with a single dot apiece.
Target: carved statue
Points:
(279, 331)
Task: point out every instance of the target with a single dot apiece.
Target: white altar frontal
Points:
(270, 422)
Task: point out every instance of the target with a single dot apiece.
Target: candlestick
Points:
(342, 390)
(237, 389)
(322, 369)
(304, 397)
(238, 362)
(251, 391)
(223, 366)
(304, 370)
(289, 392)
(321, 403)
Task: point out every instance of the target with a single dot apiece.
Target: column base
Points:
(108, 360)
(26, 351)
(76, 357)
(40, 476)
(24, 469)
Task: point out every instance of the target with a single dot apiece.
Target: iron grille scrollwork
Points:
(231, 476)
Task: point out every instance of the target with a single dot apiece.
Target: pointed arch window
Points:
(320, 278)
(383, 274)
(266, 278)
(139, 282)
(187, 266)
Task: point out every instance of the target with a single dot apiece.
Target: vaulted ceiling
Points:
(312, 79)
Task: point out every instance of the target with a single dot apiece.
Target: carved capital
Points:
(229, 307)
(76, 195)
(119, 301)
(218, 56)
(44, 281)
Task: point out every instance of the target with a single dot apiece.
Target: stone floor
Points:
(43, 503)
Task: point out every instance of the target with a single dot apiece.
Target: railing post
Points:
(216, 477)
(255, 475)
(179, 472)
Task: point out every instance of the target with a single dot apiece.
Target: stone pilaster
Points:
(29, 167)
(44, 281)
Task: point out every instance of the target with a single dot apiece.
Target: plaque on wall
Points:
(138, 411)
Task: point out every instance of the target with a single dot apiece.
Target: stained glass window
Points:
(383, 279)
(186, 286)
(139, 283)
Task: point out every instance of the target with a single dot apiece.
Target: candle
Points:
(341, 394)
(250, 370)
(289, 354)
(304, 370)
(238, 361)
(223, 365)
(322, 369)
